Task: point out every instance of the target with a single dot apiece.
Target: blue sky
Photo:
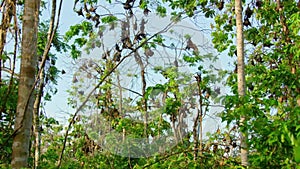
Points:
(59, 108)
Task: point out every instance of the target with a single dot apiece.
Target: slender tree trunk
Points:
(36, 121)
(200, 129)
(241, 74)
(197, 128)
(8, 10)
(144, 84)
(195, 135)
(144, 100)
(121, 104)
(23, 120)
(36, 108)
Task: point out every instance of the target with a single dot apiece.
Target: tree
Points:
(271, 99)
(173, 98)
(9, 10)
(241, 75)
(24, 113)
(139, 96)
(46, 75)
(10, 77)
(271, 42)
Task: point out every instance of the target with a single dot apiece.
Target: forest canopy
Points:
(153, 84)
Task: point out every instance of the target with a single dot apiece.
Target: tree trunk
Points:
(200, 125)
(8, 11)
(241, 74)
(144, 106)
(39, 94)
(197, 127)
(23, 120)
(36, 120)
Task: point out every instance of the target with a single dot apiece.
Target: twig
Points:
(135, 92)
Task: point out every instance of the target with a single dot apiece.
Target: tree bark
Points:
(8, 11)
(197, 127)
(36, 121)
(23, 120)
(241, 74)
(39, 94)
(144, 86)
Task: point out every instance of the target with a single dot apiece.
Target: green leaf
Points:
(297, 152)
(109, 19)
(161, 11)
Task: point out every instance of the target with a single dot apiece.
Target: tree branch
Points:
(98, 85)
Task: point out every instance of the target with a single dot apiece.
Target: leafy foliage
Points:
(271, 97)
(144, 93)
